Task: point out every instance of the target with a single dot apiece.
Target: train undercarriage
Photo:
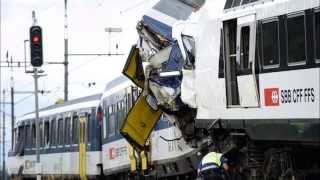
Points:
(266, 160)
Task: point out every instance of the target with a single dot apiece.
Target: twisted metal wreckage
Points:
(155, 65)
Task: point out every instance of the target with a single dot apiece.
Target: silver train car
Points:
(61, 128)
(168, 154)
(81, 139)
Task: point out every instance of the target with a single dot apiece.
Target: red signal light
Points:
(35, 39)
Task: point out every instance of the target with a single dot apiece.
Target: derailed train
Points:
(245, 82)
(81, 139)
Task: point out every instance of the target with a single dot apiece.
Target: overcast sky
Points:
(87, 20)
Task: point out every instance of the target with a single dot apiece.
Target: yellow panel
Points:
(144, 160)
(82, 148)
(132, 157)
(133, 68)
(139, 123)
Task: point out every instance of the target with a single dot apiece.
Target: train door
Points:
(83, 119)
(239, 44)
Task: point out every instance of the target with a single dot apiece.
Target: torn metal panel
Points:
(157, 28)
(188, 90)
(139, 123)
(133, 68)
(161, 77)
(158, 59)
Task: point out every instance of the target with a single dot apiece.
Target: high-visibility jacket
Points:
(211, 160)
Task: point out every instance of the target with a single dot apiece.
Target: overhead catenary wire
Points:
(23, 99)
(83, 64)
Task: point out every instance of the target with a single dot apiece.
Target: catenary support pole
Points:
(66, 63)
(35, 75)
(37, 123)
(3, 137)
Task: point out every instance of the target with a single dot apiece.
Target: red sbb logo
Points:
(271, 97)
(112, 154)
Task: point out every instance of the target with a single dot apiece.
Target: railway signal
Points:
(36, 46)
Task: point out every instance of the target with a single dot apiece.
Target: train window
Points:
(270, 43)
(135, 94)
(296, 38)
(105, 124)
(236, 3)
(46, 133)
(15, 137)
(129, 102)
(121, 113)
(33, 135)
(88, 127)
(60, 131)
(53, 132)
(75, 130)
(228, 4)
(221, 62)
(41, 134)
(244, 49)
(245, 1)
(317, 35)
(19, 138)
(28, 134)
(112, 120)
(67, 125)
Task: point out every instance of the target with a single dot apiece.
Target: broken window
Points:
(296, 38)
(189, 47)
(270, 43)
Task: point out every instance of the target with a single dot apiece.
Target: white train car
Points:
(255, 83)
(64, 129)
(169, 154)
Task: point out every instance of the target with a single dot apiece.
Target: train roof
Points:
(116, 85)
(78, 103)
(115, 82)
(261, 9)
(236, 3)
